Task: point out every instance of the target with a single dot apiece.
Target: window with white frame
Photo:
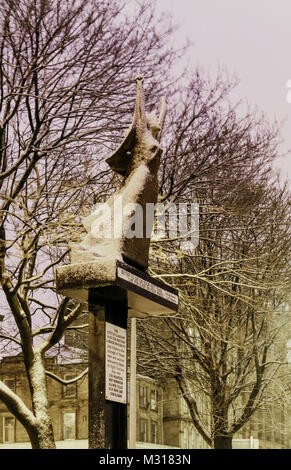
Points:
(185, 438)
(184, 406)
(8, 429)
(193, 439)
(154, 432)
(143, 396)
(69, 422)
(143, 430)
(154, 399)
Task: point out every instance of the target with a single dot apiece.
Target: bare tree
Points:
(231, 284)
(209, 137)
(66, 71)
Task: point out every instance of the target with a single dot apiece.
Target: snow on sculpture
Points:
(109, 229)
(119, 231)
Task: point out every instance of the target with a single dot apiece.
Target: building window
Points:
(8, 429)
(69, 425)
(70, 390)
(143, 392)
(10, 382)
(143, 430)
(184, 406)
(154, 432)
(154, 400)
(185, 438)
(193, 440)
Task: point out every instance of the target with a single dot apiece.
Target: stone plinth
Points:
(110, 278)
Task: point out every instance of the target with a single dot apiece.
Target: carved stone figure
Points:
(137, 159)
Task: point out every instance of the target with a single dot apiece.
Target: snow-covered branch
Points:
(69, 381)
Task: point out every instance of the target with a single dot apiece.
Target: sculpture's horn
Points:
(139, 118)
(121, 158)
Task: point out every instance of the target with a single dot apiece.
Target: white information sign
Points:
(150, 287)
(115, 363)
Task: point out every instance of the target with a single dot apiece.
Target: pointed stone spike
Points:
(139, 119)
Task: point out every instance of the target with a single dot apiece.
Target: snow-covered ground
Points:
(74, 444)
(80, 444)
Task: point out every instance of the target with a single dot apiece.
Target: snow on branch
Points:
(69, 381)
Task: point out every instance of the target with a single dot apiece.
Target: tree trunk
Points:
(222, 442)
(220, 436)
(42, 437)
(41, 434)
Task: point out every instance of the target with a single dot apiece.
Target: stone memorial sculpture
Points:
(137, 159)
(108, 272)
(108, 240)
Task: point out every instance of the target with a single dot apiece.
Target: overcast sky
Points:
(252, 39)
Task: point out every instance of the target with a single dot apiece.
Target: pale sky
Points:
(250, 38)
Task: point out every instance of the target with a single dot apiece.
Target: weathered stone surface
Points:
(74, 280)
(94, 261)
(110, 279)
(138, 160)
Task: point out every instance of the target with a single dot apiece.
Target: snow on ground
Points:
(73, 444)
(80, 444)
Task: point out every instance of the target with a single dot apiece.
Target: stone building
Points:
(149, 403)
(162, 415)
(271, 424)
(68, 404)
(179, 430)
